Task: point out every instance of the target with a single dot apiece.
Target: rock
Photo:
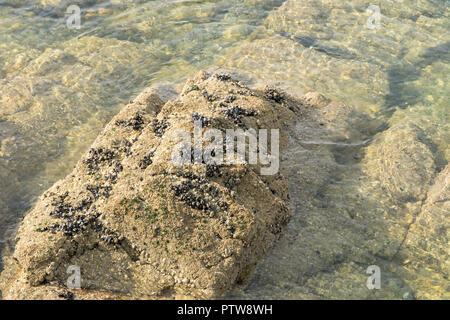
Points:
(313, 45)
(356, 191)
(434, 122)
(353, 203)
(402, 148)
(237, 32)
(62, 96)
(139, 205)
(110, 209)
(426, 243)
(326, 27)
(301, 70)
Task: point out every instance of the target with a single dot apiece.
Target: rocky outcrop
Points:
(361, 192)
(60, 87)
(137, 224)
(140, 226)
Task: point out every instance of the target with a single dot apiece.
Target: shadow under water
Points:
(402, 91)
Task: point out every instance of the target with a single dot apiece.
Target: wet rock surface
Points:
(61, 86)
(424, 252)
(160, 230)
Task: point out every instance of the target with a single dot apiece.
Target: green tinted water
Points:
(59, 87)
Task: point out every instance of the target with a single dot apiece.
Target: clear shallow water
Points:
(59, 87)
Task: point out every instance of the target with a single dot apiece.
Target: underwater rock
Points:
(402, 149)
(326, 26)
(434, 122)
(300, 69)
(356, 190)
(327, 46)
(424, 256)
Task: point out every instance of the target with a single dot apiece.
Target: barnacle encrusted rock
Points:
(138, 224)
